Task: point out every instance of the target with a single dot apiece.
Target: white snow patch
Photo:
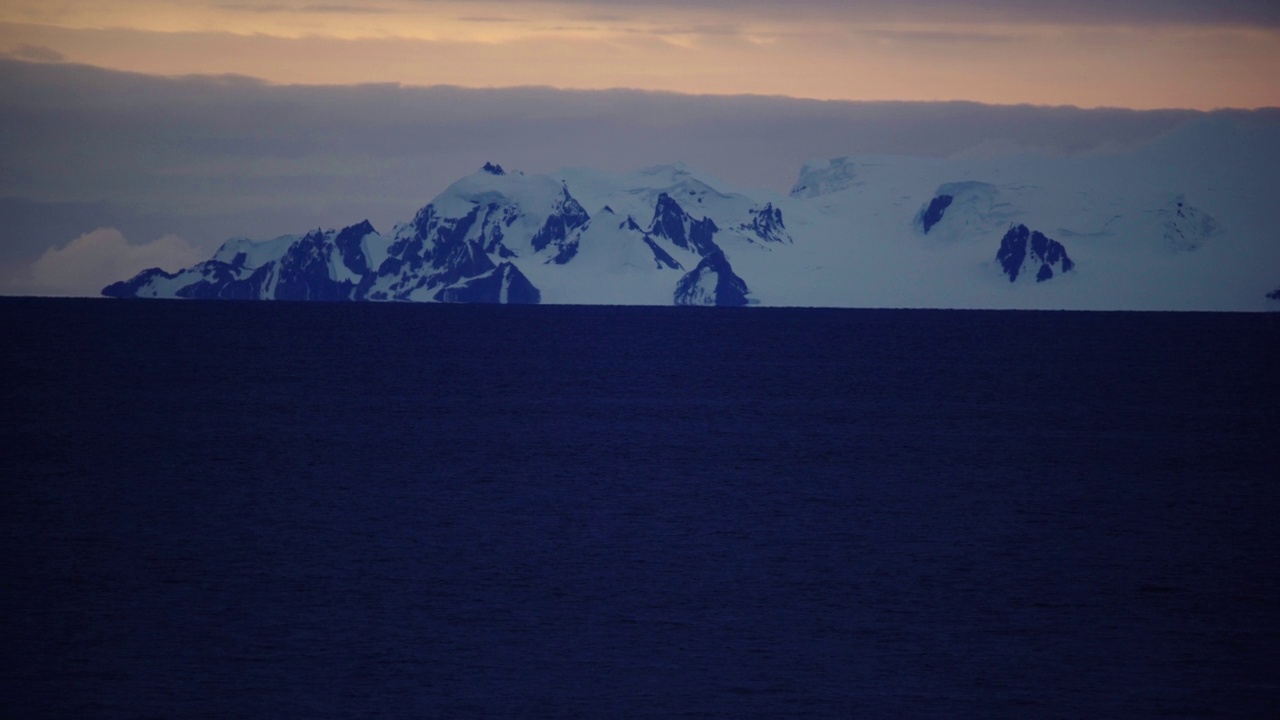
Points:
(858, 240)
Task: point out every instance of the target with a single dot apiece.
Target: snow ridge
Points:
(1158, 228)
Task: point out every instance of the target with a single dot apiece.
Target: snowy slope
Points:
(1186, 222)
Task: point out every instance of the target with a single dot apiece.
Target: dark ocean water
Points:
(310, 510)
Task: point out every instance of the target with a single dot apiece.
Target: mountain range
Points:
(1187, 222)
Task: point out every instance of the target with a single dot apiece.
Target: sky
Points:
(1199, 54)
(146, 132)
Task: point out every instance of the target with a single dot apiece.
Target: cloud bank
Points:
(208, 158)
(1141, 54)
(96, 259)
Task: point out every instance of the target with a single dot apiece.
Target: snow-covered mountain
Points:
(1187, 222)
(487, 235)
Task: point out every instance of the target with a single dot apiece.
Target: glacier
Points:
(1187, 222)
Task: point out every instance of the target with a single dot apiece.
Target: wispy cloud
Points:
(37, 53)
(311, 8)
(1088, 12)
(1142, 54)
(1112, 66)
(1265, 13)
(694, 29)
(940, 37)
(488, 19)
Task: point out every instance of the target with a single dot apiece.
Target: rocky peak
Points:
(825, 177)
(1023, 250)
(567, 216)
(349, 247)
(712, 282)
(766, 224)
(1185, 228)
(671, 222)
(932, 214)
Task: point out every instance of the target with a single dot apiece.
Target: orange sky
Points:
(981, 50)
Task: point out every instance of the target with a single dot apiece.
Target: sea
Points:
(330, 510)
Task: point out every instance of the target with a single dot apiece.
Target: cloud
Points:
(1081, 12)
(1088, 12)
(304, 9)
(940, 37)
(99, 258)
(212, 158)
(488, 19)
(817, 51)
(37, 53)
(200, 147)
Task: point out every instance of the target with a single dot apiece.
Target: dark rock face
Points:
(209, 280)
(304, 272)
(712, 282)
(425, 258)
(223, 281)
(661, 258)
(1051, 253)
(349, 247)
(437, 255)
(519, 291)
(766, 224)
(493, 169)
(1013, 251)
(933, 214)
(130, 288)
(1022, 246)
(1274, 295)
(450, 257)
(1186, 228)
(503, 284)
(567, 216)
(671, 222)
(463, 258)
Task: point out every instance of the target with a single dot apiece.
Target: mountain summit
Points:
(1157, 229)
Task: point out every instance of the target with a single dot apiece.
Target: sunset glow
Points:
(983, 52)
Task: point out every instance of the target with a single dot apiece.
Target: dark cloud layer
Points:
(37, 53)
(210, 157)
(307, 8)
(1143, 12)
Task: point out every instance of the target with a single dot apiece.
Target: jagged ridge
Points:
(1043, 253)
(864, 232)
